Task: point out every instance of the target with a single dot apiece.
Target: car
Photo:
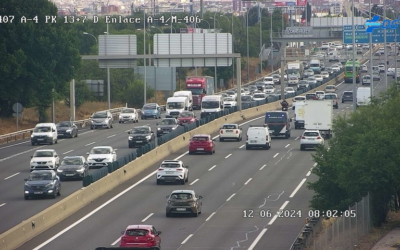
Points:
(258, 136)
(376, 77)
(311, 80)
(269, 89)
(303, 86)
(151, 110)
(183, 202)
(247, 99)
(347, 96)
(202, 143)
(44, 159)
(330, 89)
(366, 79)
(359, 51)
(259, 96)
(172, 171)
(325, 74)
(293, 81)
(186, 117)
(308, 73)
(335, 68)
(231, 94)
(73, 167)
(319, 78)
(311, 138)
(230, 131)
(140, 136)
(339, 46)
(382, 68)
(42, 183)
(305, 64)
(140, 236)
(128, 115)
(268, 80)
(44, 133)
(320, 94)
(102, 119)
(333, 97)
(229, 102)
(381, 51)
(377, 53)
(224, 95)
(391, 72)
(67, 129)
(363, 68)
(365, 46)
(101, 156)
(252, 88)
(166, 126)
(290, 90)
(311, 96)
(276, 78)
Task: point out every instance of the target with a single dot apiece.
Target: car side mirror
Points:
(31, 156)
(25, 179)
(122, 232)
(152, 132)
(158, 232)
(109, 117)
(291, 119)
(87, 153)
(129, 132)
(186, 166)
(200, 197)
(167, 196)
(113, 152)
(156, 124)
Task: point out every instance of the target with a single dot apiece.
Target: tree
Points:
(82, 94)
(40, 57)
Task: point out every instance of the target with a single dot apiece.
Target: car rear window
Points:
(229, 126)
(181, 196)
(169, 165)
(200, 139)
(311, 134)
(136, 232)
(348, 93)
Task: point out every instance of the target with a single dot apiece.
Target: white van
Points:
(334, 56)
(211, 104)
(315, 65)
(363, 96)
(299, 120)
(175, 106)
(188, 94)
(44, 133)
(258, 136)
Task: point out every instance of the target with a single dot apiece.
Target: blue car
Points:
(151, 110)
(42, 183)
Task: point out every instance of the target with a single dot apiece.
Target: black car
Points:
(73, 167)
(42, 183)
(67, 129)
(347, 96)
(167, 125)
(276, 78)
(139, 136)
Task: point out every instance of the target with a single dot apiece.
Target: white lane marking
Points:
(90, 143)
(2, 204)
(11, 176)
(193, 182)
(242, 146)
(287, 145)
(68, 152)
(315, 164)
(296, 138)
(115, 242)
(297, 188)
(277, 213)
(61, 140)
(211, 215)
(212, 167)
(111, 136)
(12, 156)
(251, 247)
(187, 238)
(127, 131)
(230, 197)
(276, 155)
(228, 156)
(263, 166)
(87, 132)
(247, 182)
(215, 137)
(16, 144)
(100, 207)
(148, 216)
(308, 173)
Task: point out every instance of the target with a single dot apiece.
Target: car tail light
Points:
(237, 131)
(160, 169)
(303, 137)
(221, 132)
(179, 169)
(150, 239)
(319, 137)
(247, 137)
(266, 137)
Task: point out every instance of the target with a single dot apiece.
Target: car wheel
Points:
(238, 139)
(167, 215)
(158, 182)
(32, 143)
(56, 141)
(111, 126)
(76, 134)
(301, 148)
(119, 121)
(196, 214)
(190, 152)
(187, 178)
(26, 197)
(59, 192)
(183, 182)
(54, 194)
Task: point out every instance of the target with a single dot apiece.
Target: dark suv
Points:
(140, 136)
(167, 125)
(183, 202)
(347, 96)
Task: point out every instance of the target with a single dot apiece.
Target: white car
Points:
(339, 65)
(382, 68)
(45, 159)
(308, 73)
(366, 80)
(293, 80)
(231, 94)
(269, 89)
(172, 171)
(230, 131)
(330, 89)
(290, 90)
(365, 46)
(259, 96)
(101, 156)
(311, 80)
(390, 71)
(320, 94)
(375, 76)
(325, 74)
(229, 102)
(128, 115)
(311, 139)
(268, 80)
(319, 78)
(246, 91)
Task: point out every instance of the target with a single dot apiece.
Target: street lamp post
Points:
(384, 43)
(247, 35)
(144, 52)
(216, 59)
(354, 58)
(233, 51)
(108, 70)
(370, 55)
(85, 33)
(272, 45)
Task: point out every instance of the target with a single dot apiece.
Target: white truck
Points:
(188, 94)
(334, 55)
(299, 114)
(176, 105)
(318, 115)
(295, 68)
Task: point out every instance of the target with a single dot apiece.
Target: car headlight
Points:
(130, 138)
(81, 170)
(203, 110)
(174, 128)
(32, 136)
(32, 162)
(158, 128)
(69, 131)
(59, 171)
(148, 136)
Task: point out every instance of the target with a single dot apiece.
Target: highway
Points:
(231, 181)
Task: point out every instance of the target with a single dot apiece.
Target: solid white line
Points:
(127, 131)
(115, 242)
(227, 156)
(297, 188)
(61, 140)
(287, 145)
(276, 155)
(251, 247)
(182, 155)
(308, 173)
(296, 138)
(242, 146)
(215, 137)
(212, 167)
(111, 136)
(16, 144)
(263, 166)
(2, 204)
(315, 164)
(87, 132)
(211, 215)
(12, 156)
(230, 197)
(276, 215)
(247, 182)
(284, 205)
(68, 152)
(90, 143)
(187, 238)
(193, 182)
(148, 216)
(11, 176)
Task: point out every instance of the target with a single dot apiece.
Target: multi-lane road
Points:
(232, 181)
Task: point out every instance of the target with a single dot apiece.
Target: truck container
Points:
(318, 115)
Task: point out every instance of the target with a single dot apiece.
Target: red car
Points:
(186, 117)
(202, 144)
(140, 236)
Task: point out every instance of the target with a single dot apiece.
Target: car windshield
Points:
(311, 134)
(128, 111)
(40, 177)
(246, 98)
(198, 138)
(300, 98)
(72, 161)
(330, 87)
(99, 115)
(229, 126)
(170, 165)
(268, 79)
(288, 89)
(140, 131)
(330, 97)
(42, 129)
(181, 196)
(186, 114)
(149, 107)
(64, 125)
(319, 93)
(310, 96)
(293, 78)
(276, 117)
(230, 92)
(210, 104)
(43, 154)
(136, 232)
(175, 105)
(228, 99)
(100, 151)
(269, 87)
(168, 122)
(259, 96)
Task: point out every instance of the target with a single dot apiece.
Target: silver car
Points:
(102, 119)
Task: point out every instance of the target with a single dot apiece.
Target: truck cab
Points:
(279, 123)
